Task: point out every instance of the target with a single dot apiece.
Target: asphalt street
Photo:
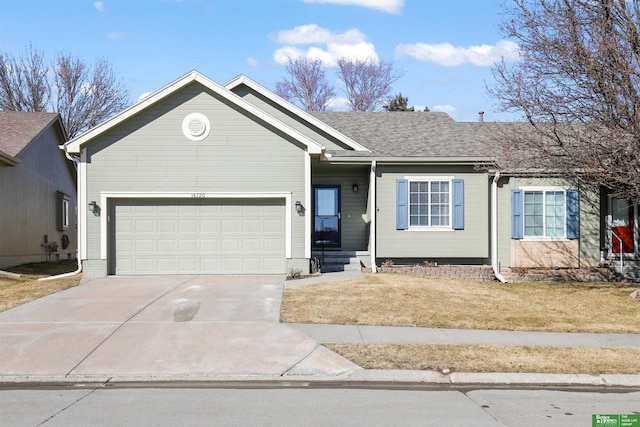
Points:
(308, 407)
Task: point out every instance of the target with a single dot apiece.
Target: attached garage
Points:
(197, 236)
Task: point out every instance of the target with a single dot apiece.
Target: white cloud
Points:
(99, 6)
(338, 103)
(449, 109)
(389, 6)
(313, 33)
(451, 56)
(251, 61)
(327, 45)
(116, 35)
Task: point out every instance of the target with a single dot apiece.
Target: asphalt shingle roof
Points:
(18, 129)
(408, 134)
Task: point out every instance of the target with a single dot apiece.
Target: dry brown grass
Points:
(493, 358)
(17, 291)
(405, 300)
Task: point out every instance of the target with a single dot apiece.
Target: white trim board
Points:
(105, 196)
(303, 115)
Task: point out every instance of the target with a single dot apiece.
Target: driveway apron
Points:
(186, 327)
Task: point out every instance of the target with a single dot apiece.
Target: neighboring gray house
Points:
(37, 190)
(200, 178)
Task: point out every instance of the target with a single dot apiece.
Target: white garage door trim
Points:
(105, 196)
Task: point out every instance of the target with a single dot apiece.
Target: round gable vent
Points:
(196, 126)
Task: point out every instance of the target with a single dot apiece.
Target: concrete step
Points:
(333, 268)
(332, 262)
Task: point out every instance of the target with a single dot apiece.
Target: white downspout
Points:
(494, 229)
(79, 269)
(372, 225)
(8, 273)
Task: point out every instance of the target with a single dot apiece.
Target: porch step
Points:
(334, 261)
(630, 269)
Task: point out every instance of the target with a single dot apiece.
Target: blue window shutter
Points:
(573, 214)
(402, 205)
(458, 204)
(517, 228)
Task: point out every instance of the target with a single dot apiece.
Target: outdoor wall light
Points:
(299, 208)
(355, 188)
(93, 206)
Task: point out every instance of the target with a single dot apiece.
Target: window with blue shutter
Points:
(402, 205)
(429, 202)
(517, 227)
(540, 213)
(573, 214)
(458, 204)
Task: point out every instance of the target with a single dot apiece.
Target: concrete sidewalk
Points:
(343, 334)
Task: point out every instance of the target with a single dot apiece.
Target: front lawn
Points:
(406, 300)
(17, 291)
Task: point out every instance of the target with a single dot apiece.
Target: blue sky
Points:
(444, 47)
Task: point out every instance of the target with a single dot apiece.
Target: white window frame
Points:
(429, 179)
(543, 190)
(65, 213)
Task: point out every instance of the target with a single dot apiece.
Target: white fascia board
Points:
(7, 159)
(406, 160)
(105, 196)
(242, 79)
(74, 145)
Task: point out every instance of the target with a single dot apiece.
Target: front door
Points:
(622, 226)
(326, 232)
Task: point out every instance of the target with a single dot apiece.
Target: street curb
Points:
(363, 376)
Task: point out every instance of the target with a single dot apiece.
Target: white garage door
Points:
(187, 236)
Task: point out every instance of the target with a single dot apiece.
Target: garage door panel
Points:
(210, 226)
(187, 226)
(168, 246)
(251, 245)
(145, 245)
(146, 265)
(199, 236)
(166, 226)
(253, 225)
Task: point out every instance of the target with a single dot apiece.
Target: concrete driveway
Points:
(165, 327)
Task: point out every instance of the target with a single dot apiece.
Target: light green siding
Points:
(589, 241)
(471, 242)
(149, 153)
(354, 215)
(289, 119)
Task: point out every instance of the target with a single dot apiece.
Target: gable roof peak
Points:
(74, 146)
(19, 128)
(295, 110)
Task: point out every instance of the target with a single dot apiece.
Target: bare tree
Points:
(306, 84)
(23, 82)
(367, 83)
(84, 95)
(577, 84)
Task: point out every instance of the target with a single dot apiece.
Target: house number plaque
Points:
(198, 195)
